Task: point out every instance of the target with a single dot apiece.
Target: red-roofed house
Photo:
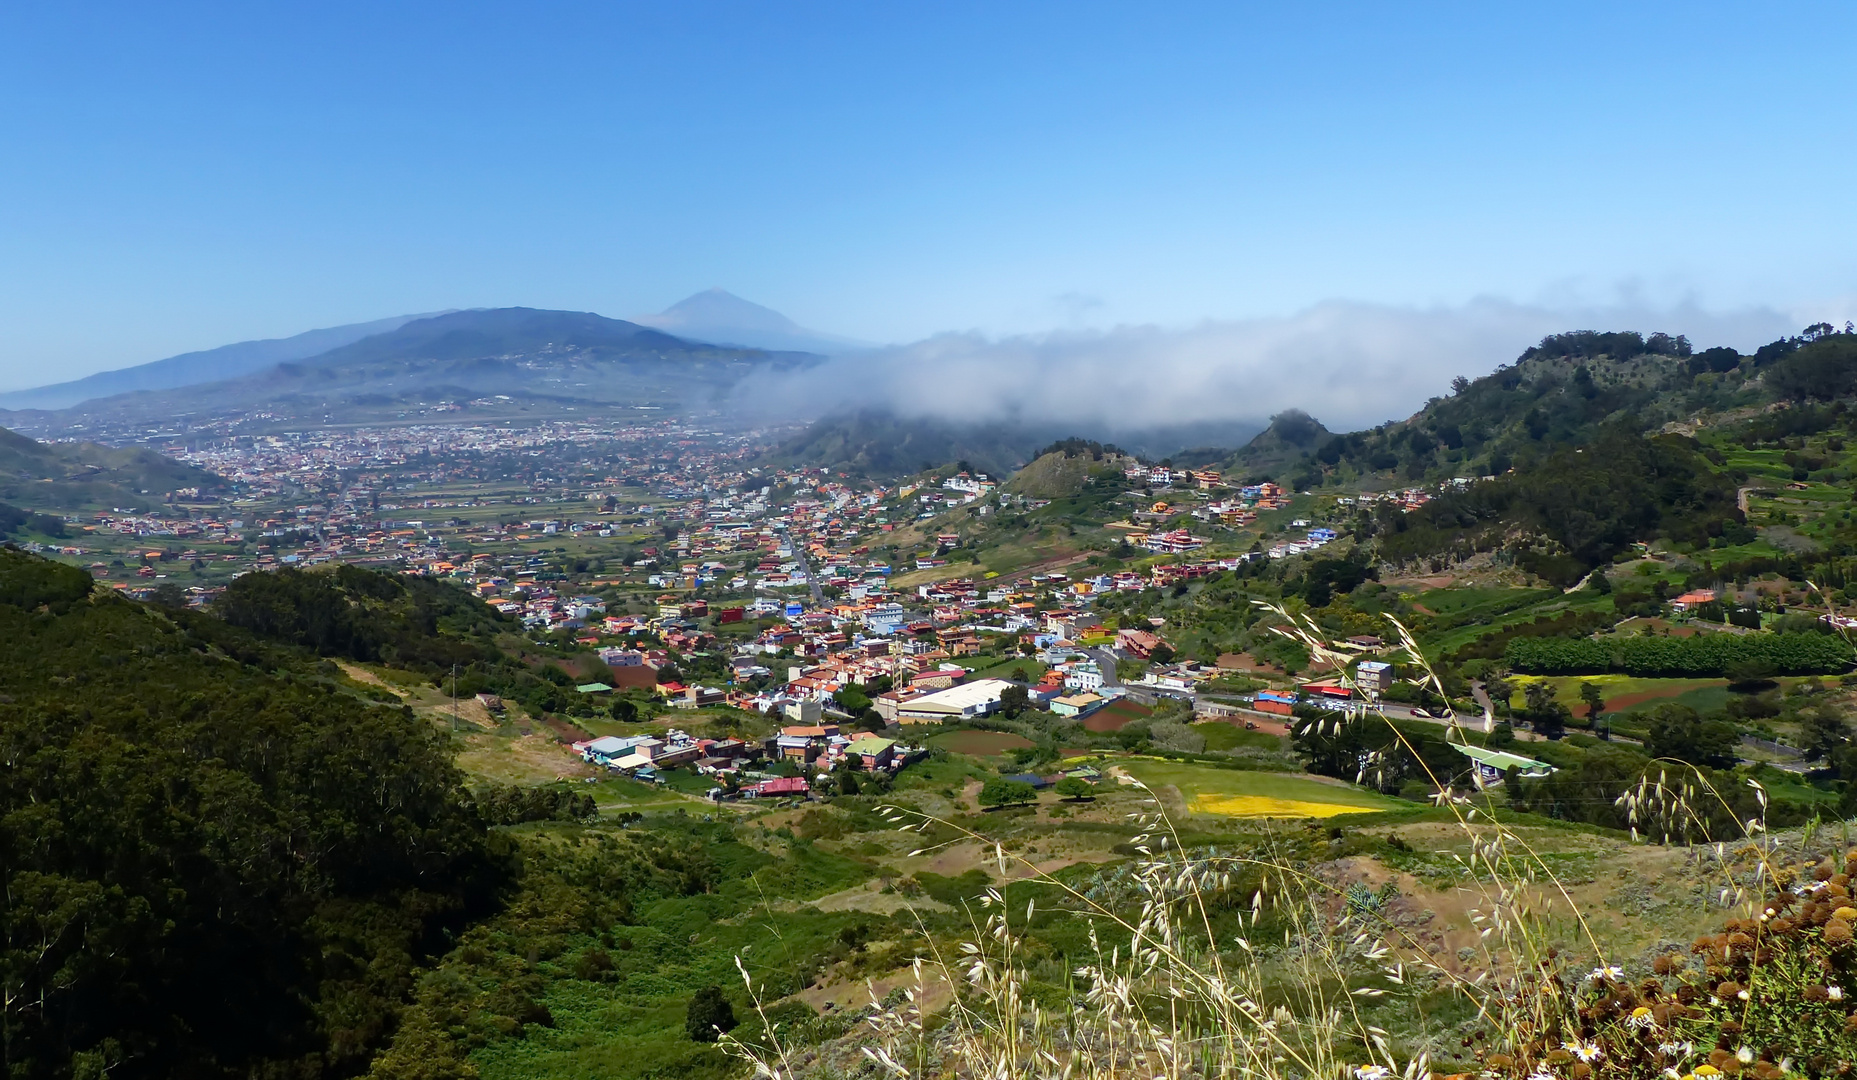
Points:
(779, 785)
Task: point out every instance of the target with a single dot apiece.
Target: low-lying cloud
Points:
(1349, 364)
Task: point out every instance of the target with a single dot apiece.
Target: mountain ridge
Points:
(521, 354)
(200, 366)
(878, 443)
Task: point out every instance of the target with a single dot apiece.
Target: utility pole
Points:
(454, 696)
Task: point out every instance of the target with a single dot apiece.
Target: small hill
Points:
(877, 443)
(209, 365)
(881, 445)
(1289, 438)
(78, 476)
(1063, 471)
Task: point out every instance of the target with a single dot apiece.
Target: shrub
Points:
(1702, 656)
(1003, 792)
(709, 1016)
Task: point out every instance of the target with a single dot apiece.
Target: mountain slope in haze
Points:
(523, 354)
(721, 317)
(77, 476)
(207, 365)
(879, 444)
(1564, 391)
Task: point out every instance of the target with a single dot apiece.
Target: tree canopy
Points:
(215, 863)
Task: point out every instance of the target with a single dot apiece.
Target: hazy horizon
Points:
(180, 179)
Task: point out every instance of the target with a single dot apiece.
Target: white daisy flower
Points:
(1587, 1052)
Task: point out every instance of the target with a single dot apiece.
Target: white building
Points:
(978, 698)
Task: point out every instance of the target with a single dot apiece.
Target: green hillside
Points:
(881, 445)
(1290, 438)
(80, 476)
(1564, 514)
(1065, 471)
(1564, 391)
(217, 861)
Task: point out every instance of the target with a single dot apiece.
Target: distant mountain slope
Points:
(879, 444)
(721, 317)
(207, 365)
(77, 476)
(1565, 391)
(519, 353)
(506, 333)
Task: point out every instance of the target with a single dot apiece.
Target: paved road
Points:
(1105, 663)
(818, 594)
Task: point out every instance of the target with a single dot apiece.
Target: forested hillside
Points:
(216, 861)
(877, 443)
(365, 615)
(66, 476)
(1571, 510)
(1564, 391)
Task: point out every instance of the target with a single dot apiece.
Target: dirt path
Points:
(366, 678)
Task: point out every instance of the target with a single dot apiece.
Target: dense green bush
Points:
(1701, 656)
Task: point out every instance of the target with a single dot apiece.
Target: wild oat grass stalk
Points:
(1208, 964)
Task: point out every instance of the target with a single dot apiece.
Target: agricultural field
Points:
(1224, 735)
(979, 743)
(1116, 715)
(1625, 693)
(1210, 790)
(1002, 667)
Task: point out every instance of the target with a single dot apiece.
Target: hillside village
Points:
(1254, 542)
(652, 637)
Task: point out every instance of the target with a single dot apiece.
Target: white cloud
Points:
(1349, 364)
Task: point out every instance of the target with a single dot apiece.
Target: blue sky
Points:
(180, 176)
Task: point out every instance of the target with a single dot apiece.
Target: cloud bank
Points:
(1349, 364)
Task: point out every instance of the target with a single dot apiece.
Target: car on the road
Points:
(1423, 714)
